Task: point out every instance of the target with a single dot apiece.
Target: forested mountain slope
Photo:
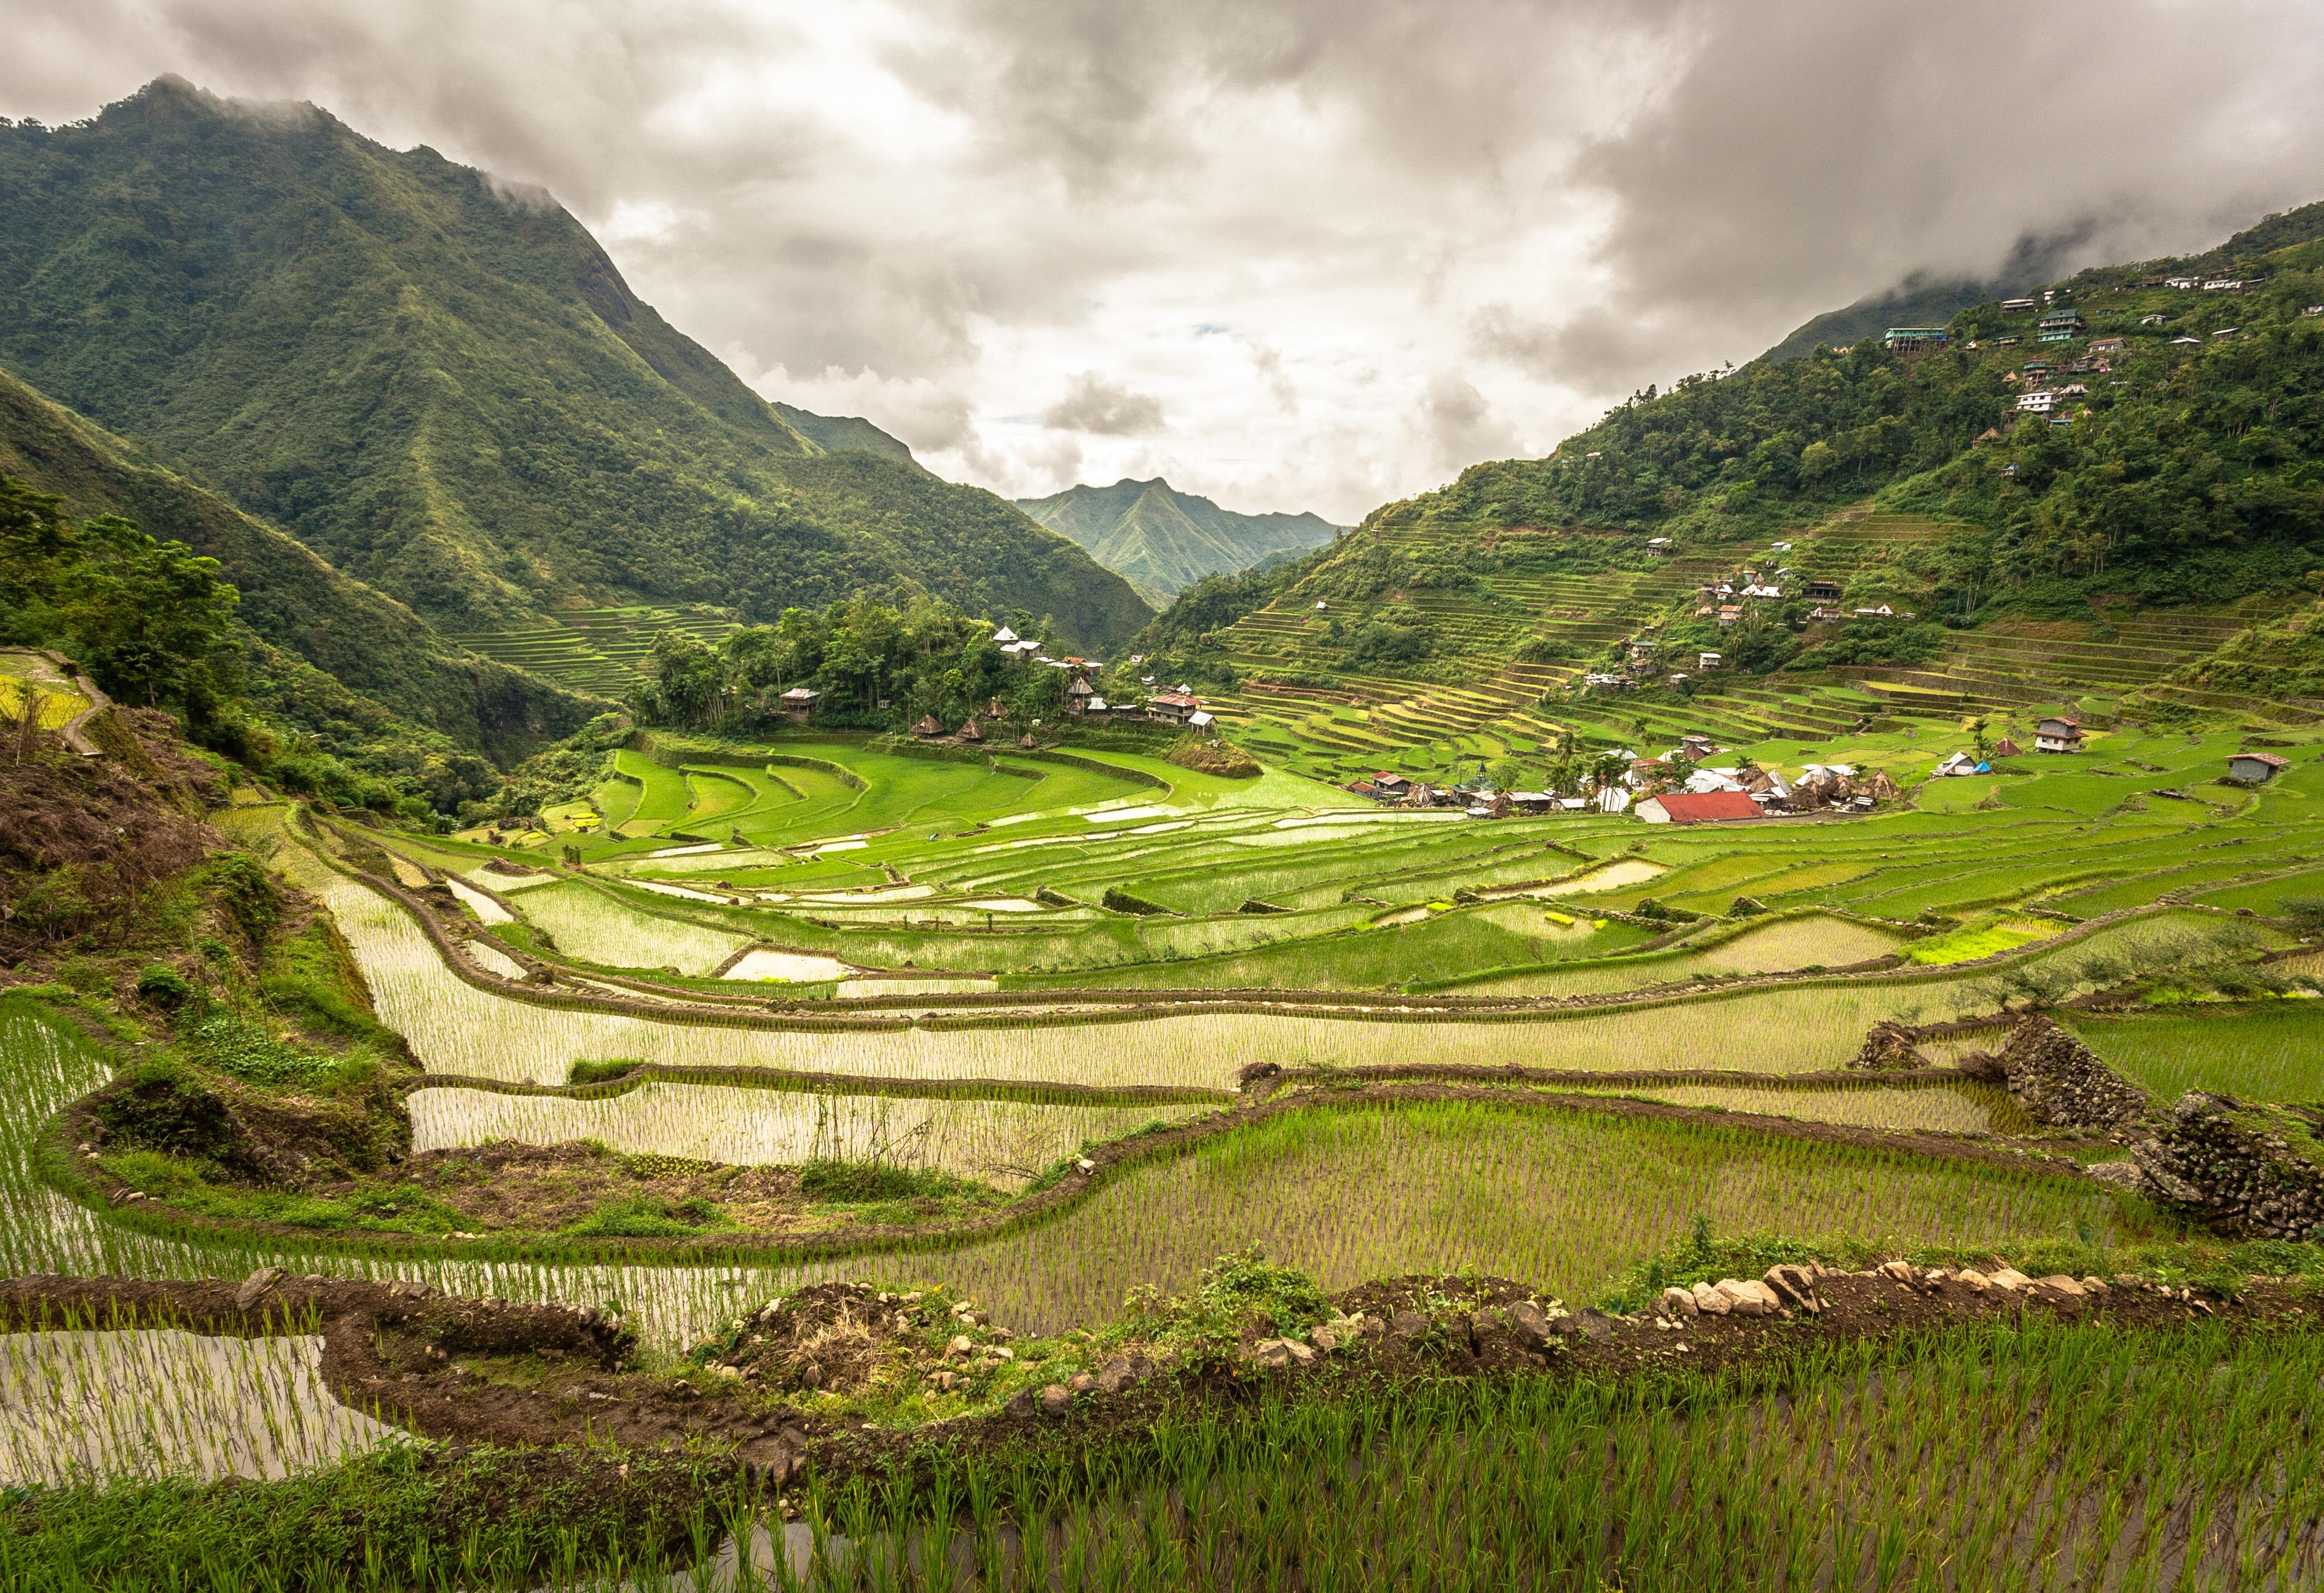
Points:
(390, 664)
(1162, 541)
(446, 390)
(2071, 519)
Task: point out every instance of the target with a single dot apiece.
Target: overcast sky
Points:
(1291, 254)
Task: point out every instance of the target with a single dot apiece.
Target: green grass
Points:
(1566, 1201)
(2272, 1051)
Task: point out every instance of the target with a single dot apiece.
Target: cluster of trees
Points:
(2189, 470)
(150, 621)
(876, 666)
(155, 625)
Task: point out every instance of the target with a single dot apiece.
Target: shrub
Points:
(163, 986)
(596, 1071)
(2305, 913)
(830, 1180)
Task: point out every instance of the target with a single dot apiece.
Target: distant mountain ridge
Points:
(1163, 540)
(449, 392)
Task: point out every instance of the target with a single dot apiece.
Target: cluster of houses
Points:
(1679, 787)
(1177, 706)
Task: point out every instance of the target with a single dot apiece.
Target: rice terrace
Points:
(1739, 1004)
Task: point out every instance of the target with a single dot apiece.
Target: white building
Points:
(2040, 401)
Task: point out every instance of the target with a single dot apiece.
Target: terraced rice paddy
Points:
(1003, 1142)
(1568, 1200)
(2272, 1051)
(910, 920)
(215, 1407)
(587, 923)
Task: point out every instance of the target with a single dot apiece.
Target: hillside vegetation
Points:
(1162, 541)
(446, 390)
(2172, 497)
(328, 654)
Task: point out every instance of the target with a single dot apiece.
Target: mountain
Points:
(444, 387)
(1162, 541)
(2079, 517)
(840, 434)
(335, 657)
(1923, 299)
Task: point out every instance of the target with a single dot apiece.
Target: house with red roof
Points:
(1709, 807)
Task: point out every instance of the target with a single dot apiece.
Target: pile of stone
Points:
(2061, 1082)
(1784, 1288)
(1122, 1371)
(2241, 1167)
(1889, 1047)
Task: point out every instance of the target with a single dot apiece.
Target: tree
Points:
(685, 684)
(151, 617)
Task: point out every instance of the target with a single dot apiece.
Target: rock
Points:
(255, 1287)
(2010, 1280)
(1407, 1324)
(2123, 1175)
(2093, 1286)
(2059, 1080)
(1000, 1352)
(2061, 1289)
(1899, 1271)
(1370, 1326)
(1055, 1400)
(1530, 1323)
(1482, 1326)
(1751, 1297)
(1794, 1287)
(1889, 1047)
(1080, 1383)
(960, 1344)
(1680, 1302)
(414, 1289)
(1114, 1375)
(1973, 1279)
(1711, 1302)
(721, 1369)
(1276, 1353)
(1323, 1339)
(1595, 1326)
(2241, 1167)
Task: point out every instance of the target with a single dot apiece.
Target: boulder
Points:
(1711, 1302)
(1794, 1286)
(2241, 1167)
(2010, 1280)
(1679, 1303)
(1116, 1374)
(2122, 1175)
(1276, 1353)
(1530, 1323)
(1750, 1297)
(1593, 1325)
(1055, 1400)
(1407, 1324)
(2061, 1081)
(1973, 1279)
(1898, 1271)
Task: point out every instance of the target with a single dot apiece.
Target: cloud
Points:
(1460, 424)
(1095, 405)
(1420, 235)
